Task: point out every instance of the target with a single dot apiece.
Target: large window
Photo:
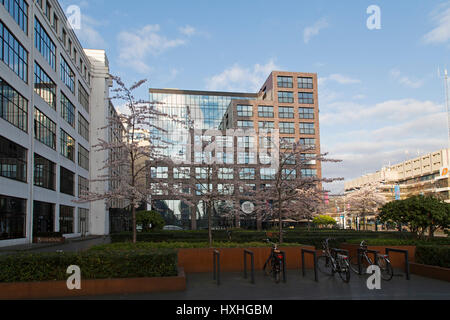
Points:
(305, 83)
(159, 172)
(268, 174)
(246, 142)
(265, 112)
(287, 127)
(306, 113)
(309, 143)
(83, 127)
(285, 82)
(67, 146)
(13, 212)
(67, 181)
(266, 125)
(66, 219)
(13, 106)
(67, 110)
(44, 173)
(44, 86)
(83, 97)
(285, 97)
(309, 173)
(286, 112)
(182, 173)
(43, 217)
(13, 160)
(226, 174)
(18, 9)
(67, 75)
(245, 124)
(44, 129)
(83, 157)
(244, 111)
(83, 186)
(247, 173)
(306, 98)
(44, 44)
(13, 54)
(307, 128)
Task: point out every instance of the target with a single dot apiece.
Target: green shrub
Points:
(402, 242)
(433, 255)
(93, 265)
(147, 218)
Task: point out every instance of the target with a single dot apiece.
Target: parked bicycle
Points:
(382, 261)
(274, 263)
(333, 261)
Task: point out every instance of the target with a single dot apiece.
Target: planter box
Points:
(58, 289)
(232, 259)
(434, 272)
(49, 240)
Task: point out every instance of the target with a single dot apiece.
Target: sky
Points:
(381, 98)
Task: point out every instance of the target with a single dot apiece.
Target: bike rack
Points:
(406, 253)
(340, 251)
(252, 266)
(216, 264)
(284, 265)
(375, 256)
(315, 262)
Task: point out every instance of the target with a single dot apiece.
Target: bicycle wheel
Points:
(267, 267)
(354, 265)
(386, 269)
(344, 271)
(324, 265)
(277, 273)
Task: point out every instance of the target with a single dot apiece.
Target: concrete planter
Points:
(232, 259)
(58, 289)
(430, 271)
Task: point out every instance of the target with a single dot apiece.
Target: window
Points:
(288, 159)
(285, 97)
(182, 173)
(203, 188)
(55, 22)
(305, 98)
(225, 158)
(285, 82)
(266, 125)
(13, 160)
(247, 174)
(48, 9)
(267, 174)
(225, 189)
(287, 127)
(67, 110)
(83, 186)
(67, 146)
(286, 112)
(13, 106)
(203, 173)
(44, 44)
(44, 173)
(311, 143)
(245, 124)
(244, 111)
(66, 219)
(246, 158)
(18, 9)
(224, 142)
(309, 158)
(43, 217)
(265, 142)
(44, 86)
(13, 54)
(159, 172)
(307, 128)
(13, 213)
(67, 181)
(83, 157)
(305, 83)
(265, 112)
(83, 97)
(287, 143)
(44, 129)
(67, 75)
(288, 174)
(309, 173)
(246, 142)
(83, 127)
(306, 113)
(226, 174)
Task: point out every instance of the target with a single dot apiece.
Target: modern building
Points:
(288, 101)
(49, 97)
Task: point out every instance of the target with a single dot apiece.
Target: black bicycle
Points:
(274, 264)
(333, 261)
(363, 260)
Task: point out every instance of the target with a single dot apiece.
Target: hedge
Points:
(93, 265)
(433, 255)
(402, 242)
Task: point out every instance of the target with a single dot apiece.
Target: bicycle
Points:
(332, 261)
(275, 262)
(382, 261)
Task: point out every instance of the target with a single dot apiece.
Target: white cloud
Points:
(135, 46)
(188, 30)
(441, 33)
(339, 78)
(314, 30)
(88, 34)
(406, 81)
(237, 78)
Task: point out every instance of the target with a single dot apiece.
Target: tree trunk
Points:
(280, 223)
(133, 213)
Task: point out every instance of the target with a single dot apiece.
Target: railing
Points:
(315, 262)
(360, 252)
(216, 266)
(406, 253)
(252, 265)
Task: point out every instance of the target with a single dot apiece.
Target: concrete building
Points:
(47, 85)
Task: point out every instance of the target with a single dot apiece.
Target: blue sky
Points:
(380, 96)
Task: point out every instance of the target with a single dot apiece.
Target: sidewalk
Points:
(71, 245)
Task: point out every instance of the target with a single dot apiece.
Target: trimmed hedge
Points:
(93, 265)
(433, 255)
(402, 242)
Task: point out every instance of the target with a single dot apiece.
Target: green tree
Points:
(150, 220)
(324, 221)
